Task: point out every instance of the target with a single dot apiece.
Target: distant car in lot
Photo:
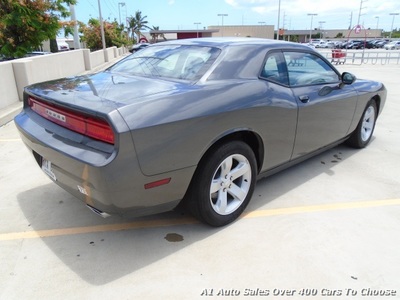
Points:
(37, 53)
(392, 45)
(62, 45)
(138, 47)
(381, 44)
(198, 119)
(322, 44)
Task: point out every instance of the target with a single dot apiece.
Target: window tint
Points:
(308, 69)
(273, 69)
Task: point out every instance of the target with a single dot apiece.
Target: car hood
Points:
(102, 92)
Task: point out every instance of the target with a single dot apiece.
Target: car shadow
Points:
(108, 251)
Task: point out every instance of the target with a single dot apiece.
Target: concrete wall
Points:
(18, 73)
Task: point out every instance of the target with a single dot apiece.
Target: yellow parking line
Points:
(322, 207)
(189, 220)
(10, 140)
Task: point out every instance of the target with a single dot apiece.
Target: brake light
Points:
(90, 126)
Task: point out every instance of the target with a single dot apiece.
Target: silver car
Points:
(197, 121)
(395, 45)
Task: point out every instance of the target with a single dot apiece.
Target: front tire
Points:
(223, 184)
(361, 137)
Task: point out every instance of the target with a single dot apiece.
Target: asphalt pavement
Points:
(328, 228)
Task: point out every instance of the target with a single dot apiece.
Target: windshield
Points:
(169, 61)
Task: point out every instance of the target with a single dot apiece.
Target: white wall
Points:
(18, 73)
(8, 87)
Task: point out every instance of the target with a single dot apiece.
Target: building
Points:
(259, 31)
(267, 32)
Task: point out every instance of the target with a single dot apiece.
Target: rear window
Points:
(182, 62)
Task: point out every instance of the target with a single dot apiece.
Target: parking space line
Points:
(190, 220)
(10, 140)
(322, 207)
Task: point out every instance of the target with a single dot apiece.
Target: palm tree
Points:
(154, 36)
(136, 24)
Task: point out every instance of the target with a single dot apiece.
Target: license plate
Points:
(46, 167)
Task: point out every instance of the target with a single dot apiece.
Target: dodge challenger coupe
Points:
(197, 121)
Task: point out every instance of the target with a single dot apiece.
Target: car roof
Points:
(222, 42)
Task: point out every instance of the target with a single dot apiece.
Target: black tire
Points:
(211, 185)
(361, 137)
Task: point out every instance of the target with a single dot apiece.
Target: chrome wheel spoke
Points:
(222, 202)
(230, 184)
(368, 123)
(240, 170)
(237, 192)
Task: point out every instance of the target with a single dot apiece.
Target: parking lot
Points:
(326, 228)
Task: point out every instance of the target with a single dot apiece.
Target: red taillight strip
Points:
(89, 126)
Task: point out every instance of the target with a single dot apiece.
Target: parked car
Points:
(370, 44)
(62, 45)
(355, 45)
(198, 119)
(322, 44)
(138, 47)
(381, 44)
(36, 53)
(392, 45)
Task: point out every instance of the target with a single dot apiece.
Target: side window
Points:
(274, 70)
(308, 69)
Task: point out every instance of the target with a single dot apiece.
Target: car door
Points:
(325, 105)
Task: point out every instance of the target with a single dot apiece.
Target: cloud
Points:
(171, 2)
(232, 3)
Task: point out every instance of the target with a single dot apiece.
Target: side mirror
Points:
(348, 78)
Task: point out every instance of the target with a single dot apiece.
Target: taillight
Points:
(90, 126)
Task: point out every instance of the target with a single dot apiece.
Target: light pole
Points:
(377, 24)
(312, 16)
(197, 27)
(320, 28)
(103, 39)
(391, 30)
(119, 9)
(279, 17)
(222, 15)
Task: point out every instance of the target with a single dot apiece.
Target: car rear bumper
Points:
(110, 181)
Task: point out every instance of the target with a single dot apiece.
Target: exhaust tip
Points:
(98, 211)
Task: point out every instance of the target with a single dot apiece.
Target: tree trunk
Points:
(53, 46)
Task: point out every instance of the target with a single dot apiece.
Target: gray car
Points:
(197, 121)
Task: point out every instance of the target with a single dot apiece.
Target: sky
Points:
(183, 14)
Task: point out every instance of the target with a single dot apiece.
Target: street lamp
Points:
(197, 27)
(119, 10)
(103, 39)
(279, 17)
(222, 15)
(391, 30)
(320, 28)
(312, 16)
(377, 24)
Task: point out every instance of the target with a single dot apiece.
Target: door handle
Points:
(304, 99)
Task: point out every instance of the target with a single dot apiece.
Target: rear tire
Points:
(223, 184)
(365, 129)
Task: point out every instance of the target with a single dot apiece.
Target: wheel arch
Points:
(377, 100)
(251, 138)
